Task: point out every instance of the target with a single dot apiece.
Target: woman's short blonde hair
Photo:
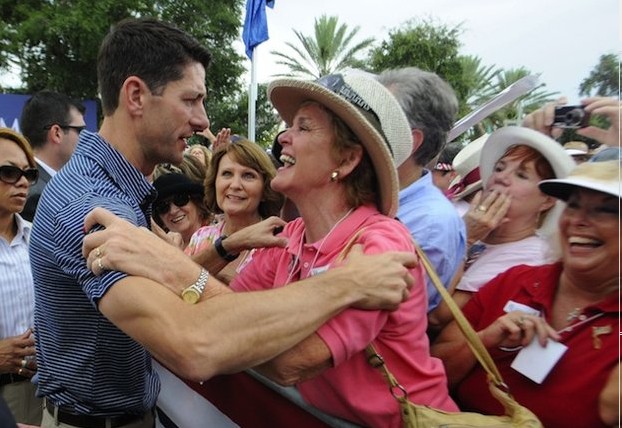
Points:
(21, 141)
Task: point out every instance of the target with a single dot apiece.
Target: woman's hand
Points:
(542, 119)
(609, 108)
(17, 355)
(517, 329)
(485, 216)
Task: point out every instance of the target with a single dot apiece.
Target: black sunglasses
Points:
(179, 200)
(76, 128)
(12, 174)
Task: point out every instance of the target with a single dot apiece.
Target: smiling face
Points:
(589, 233)
(519, 178)
(185, 219)
(13, 196)
(239, 189)
(306, 153)
(172, 116)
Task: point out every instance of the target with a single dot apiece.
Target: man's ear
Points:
(55, 134)
(417, 137)
(132, 95)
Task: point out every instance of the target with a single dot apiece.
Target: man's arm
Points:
(227, 332)
(233, 331)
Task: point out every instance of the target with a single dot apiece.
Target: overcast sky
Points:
(561, 39)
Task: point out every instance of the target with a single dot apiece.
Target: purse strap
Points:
(473, 340)
(475, 343)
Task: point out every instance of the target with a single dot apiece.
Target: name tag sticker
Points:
(536, 362)
(515, 306)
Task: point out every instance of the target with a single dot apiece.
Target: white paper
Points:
(512, 306)
(520, 87)
(536, 362)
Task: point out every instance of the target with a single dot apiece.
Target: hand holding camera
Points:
(571, 117)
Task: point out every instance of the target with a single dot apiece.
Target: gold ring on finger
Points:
(100, 265)
(98, 253)
(20, 371)
(24, 362)
(482, 208)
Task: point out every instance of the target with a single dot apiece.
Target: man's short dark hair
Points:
(154, 51)
(43, 109)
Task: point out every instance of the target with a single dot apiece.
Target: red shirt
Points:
(568, 396)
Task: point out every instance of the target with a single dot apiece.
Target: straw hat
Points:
(369, 110)
(600, 176)
(503, 138)
(466, 165)
(576, 148)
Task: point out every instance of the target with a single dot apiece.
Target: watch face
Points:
(190, 296)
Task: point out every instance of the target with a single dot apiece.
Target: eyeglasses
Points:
(178, 200)
(12, 174)
(76, 128)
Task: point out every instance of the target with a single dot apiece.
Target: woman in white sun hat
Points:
(508, 223)
(345, 135)
(573, 302)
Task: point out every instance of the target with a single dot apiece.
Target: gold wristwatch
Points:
(192, 294)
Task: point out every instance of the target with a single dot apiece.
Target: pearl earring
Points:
(334, 175)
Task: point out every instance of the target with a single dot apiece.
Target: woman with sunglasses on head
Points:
(237, 186)
(17, 352)
(179, 205)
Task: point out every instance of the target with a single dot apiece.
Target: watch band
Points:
(221, 250)
(193, 293)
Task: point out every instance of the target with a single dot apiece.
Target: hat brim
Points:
(504, 138)
(287, 95)
(562, 188)
(175, 189)
(471, 188)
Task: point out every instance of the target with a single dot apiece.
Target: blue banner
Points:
(11, 106)
(255, 24)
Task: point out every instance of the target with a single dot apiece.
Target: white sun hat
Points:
(600, 176)
(503, 138)
(368, 109)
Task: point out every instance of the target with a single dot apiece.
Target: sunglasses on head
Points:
(178, 200)
(11, 174)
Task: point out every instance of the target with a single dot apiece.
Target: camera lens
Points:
(574, 117)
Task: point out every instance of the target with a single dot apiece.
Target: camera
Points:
(571, 117)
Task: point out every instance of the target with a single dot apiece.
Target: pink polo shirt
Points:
(352, 389)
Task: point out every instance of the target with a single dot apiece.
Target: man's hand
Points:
(136, 251)
(382, 280)
(17, 355)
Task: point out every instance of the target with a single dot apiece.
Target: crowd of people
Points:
(125, 245)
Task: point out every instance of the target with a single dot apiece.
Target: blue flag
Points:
(255, 24)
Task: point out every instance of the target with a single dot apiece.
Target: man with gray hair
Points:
(431, 106)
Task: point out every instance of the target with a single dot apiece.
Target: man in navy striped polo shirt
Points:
(95, 334)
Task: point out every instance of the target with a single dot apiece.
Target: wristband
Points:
(192, 294)
(221, 250)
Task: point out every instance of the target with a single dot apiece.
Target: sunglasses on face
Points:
(178, 200)
(76, 128)
(12, 174)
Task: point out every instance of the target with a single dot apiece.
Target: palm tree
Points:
(328, 52)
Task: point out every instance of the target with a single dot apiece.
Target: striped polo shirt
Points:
(86, 364)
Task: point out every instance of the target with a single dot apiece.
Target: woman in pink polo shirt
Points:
(345, 135)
